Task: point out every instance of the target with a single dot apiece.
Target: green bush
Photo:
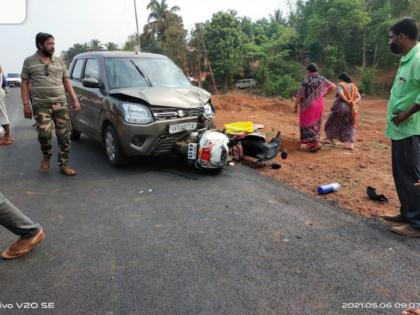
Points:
(269, 87)
(285, 86)
(368, 83)
(329, 74)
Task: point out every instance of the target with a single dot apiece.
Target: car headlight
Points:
(208, 111)
(137, 114)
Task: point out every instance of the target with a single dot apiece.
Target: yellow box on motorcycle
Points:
(239, 127)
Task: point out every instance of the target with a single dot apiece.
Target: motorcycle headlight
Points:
(137, 114)
(208, 111)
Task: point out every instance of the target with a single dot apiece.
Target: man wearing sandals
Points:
(403, 126)
(48, 77)
(31, 234)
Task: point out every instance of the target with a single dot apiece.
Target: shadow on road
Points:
(90, 150)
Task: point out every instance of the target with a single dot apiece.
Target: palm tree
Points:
(277, 17)
(95, 45)
(156, 20)
(110, 46)
(75, 50)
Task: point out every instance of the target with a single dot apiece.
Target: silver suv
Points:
(135, 104)
(245, 83)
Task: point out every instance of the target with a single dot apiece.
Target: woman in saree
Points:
(310, 104)
(341, 123)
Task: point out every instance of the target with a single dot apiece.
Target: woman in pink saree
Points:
(310, 104)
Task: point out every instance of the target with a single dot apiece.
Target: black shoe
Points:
(395, 218)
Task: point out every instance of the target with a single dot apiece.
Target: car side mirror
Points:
(91, 83)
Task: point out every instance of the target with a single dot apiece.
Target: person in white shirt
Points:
(4, 119)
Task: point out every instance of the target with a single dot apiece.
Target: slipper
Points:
(6, 140)
(315, 149)
(23, 246)
(348, 146)
(371, 192)
(67, 170)
(45, 164)
(411, 311)
(330, 142)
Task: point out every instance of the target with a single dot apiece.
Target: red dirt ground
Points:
(369, 164)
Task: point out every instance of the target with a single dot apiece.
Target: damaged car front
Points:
(146, 104)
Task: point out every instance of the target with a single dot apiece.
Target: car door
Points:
(78, 119)
(93, 98)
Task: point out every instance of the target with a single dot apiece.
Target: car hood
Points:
(188, 97)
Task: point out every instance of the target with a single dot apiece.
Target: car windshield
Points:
(13, 75)
(143, 72)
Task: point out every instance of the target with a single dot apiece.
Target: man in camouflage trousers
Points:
(46, 77)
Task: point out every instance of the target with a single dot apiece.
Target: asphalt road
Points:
(159, 238)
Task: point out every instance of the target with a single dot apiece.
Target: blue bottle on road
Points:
(326, 189)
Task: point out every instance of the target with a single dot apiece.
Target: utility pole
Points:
(137, 27)
(198, 25)
(200, 84)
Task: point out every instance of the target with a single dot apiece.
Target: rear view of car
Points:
(13, 79)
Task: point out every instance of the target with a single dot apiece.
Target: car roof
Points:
(119, 54)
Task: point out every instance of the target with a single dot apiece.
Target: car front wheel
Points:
(112, 146)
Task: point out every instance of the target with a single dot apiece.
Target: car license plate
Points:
(192, 151)
(182, 127)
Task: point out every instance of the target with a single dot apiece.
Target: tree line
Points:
(339, 35)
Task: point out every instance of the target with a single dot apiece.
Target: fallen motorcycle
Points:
(246, 140)
(206, 149)
(212, 149)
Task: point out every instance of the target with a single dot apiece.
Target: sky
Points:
(79, 21)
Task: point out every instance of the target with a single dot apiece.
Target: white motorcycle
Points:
(209, 149)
